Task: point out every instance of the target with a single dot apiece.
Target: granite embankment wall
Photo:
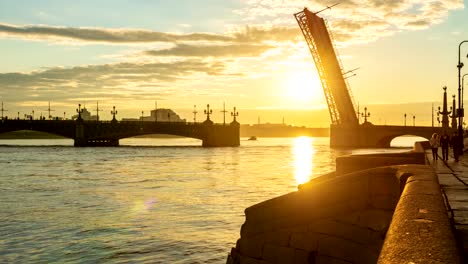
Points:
(392, 214)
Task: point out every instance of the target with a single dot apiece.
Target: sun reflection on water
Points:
(303, 153)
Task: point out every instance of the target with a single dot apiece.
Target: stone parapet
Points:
(347, 164)
(420, 230)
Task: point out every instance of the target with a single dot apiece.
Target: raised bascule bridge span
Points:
(108, 133)
(345, 130)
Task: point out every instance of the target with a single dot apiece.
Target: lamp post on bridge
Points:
(234, 114)
(365, 115)
(3, 110)
(460, 112)
(33, 114)
(113, 113)
(414, 120)
(405, 118)
(79, 111)
(194, 114)
(208, 112)
(438, 118)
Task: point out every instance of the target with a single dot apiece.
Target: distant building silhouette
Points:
(86, 115)
(160, 115)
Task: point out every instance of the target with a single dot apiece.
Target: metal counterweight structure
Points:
(338, 98)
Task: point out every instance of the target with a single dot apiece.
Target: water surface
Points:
(149, 201)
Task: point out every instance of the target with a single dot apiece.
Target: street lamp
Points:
(194, 113)
(405, 118)
(208, 112)
(460, 109)
(463, 84)
(365, 115)
(113, 113)
(414, 118)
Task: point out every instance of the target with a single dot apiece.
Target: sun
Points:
(302, 86)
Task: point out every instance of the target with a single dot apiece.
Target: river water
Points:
(148, 201)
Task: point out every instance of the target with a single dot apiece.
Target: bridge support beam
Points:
(372, 136)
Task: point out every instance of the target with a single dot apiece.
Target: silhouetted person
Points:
(444, 143)
(434, 142)
(455, 142)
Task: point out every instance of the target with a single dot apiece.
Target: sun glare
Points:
(303, 159)
(302, 86)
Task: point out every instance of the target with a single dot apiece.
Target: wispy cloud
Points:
(102, 35)
(236, 50)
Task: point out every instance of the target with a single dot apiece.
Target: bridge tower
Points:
(336, 91)
(345, 130)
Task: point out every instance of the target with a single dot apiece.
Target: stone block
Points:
(251, 247)
(322, 259)
(385, 185)
(359, 202)
(303, 257)
(279, 237)
(338, 248)
(342, 230)
(277, 254)
(384, 202)
(249, 260)
(306, 241)
(375, 219)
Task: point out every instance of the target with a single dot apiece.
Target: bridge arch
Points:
(31, 133)
(60, 128)
(386, 140)
(406, 140)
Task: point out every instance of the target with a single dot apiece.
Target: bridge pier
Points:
(221, 136)
(82, 142)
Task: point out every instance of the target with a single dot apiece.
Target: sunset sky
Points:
(247, 53)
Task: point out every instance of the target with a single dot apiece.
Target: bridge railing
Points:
(17, 121)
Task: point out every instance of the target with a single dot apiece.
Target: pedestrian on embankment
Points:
(455, 142)
(444, 143)
(434, 142)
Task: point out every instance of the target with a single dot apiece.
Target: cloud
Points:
(235, 50)
(102, 35)
(355, 21)
(119, 80)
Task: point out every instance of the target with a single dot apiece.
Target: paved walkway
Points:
(453, 178)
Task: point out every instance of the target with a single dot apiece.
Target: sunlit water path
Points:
(150, 201)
